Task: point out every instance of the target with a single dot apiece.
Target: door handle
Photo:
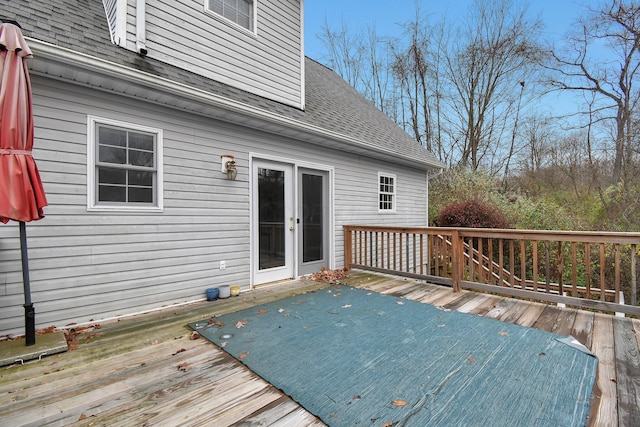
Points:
(291, 228)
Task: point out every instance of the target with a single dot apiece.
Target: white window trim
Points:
(92, 205)
(394, 194)
(254, 26)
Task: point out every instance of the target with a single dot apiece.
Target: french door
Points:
(290, 221)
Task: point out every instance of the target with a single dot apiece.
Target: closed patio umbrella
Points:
(22, 196)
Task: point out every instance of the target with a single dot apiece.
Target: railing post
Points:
(456, 259)
(348, 254)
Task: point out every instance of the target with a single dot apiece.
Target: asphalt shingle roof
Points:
(330, 103)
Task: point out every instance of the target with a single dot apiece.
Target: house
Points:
(190, 144)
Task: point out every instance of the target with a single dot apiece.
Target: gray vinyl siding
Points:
(86, 266)
(267, 63)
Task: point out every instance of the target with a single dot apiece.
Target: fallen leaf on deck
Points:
(471, 359)
(399, 403)
(216, 322)
(184, 367)
(223, 344)
(388, 424)
(241, 323)
(263, 311)
(194, 336)
(243, 355)
(399, 303)
(179, 351)
(503, 333)
(442, 325)
(82, 417)
(281, 310)
(287, 315)
(346, 306)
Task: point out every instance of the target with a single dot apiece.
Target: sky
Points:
(386, 15)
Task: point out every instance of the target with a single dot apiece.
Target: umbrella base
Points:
(29, 324)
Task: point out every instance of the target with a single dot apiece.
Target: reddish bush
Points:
(471, 214)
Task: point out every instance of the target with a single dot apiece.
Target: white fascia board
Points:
(53, 52)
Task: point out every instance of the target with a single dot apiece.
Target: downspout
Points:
(141, 38)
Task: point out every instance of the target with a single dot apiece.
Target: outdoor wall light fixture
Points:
(228, 166)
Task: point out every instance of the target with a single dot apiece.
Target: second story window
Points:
(237, 11)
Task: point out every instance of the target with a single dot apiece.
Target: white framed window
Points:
(124, 166)
(386, 192)
(240, 12)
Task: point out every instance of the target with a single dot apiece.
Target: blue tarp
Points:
(359, 358)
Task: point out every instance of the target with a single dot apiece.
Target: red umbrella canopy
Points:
(22, 196)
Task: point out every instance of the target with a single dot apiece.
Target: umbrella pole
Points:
(29, 313)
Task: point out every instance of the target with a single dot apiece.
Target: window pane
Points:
(110, 136)
(140, 195)
(110, 193)
(216, 6)
(141, 178)
(112, 155)
(112, 176)
(141, 141)
(140, 158)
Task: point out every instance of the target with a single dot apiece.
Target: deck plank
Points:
(606, 414)
(628, 371)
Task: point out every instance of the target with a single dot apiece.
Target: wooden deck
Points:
(147, 371)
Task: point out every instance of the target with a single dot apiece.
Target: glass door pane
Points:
(312, 218)
(271, 218)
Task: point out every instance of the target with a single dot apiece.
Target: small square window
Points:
(386, 193)
(125, 166)
(240, 12)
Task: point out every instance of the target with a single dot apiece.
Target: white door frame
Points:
(253, 232)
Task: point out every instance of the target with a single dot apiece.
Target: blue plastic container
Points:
(212, 294)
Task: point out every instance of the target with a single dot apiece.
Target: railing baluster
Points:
(587, 254)
(547, 261)
(535, 265)
(602, 269)
(574, 270)
(560, 268)
(523, 266)
(617, 272)
(421, 253)
(512, 263)
(634, 295)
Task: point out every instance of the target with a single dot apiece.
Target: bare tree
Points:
(611, 32)
(494, 52)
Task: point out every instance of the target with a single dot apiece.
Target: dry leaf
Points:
(263, 311)
(241, 323)
(184, 367)
(388, 424)
(216, 322)
(194, 335)
(471, 359)
(82, 417)
(346, 306)
(281, 310)
(399, 403)
(503, 333)
(243, 355)
(179, 351)
(287, 315)
(223, 344)
(399, 303)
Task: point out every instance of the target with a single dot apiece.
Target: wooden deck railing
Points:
(595, 270)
